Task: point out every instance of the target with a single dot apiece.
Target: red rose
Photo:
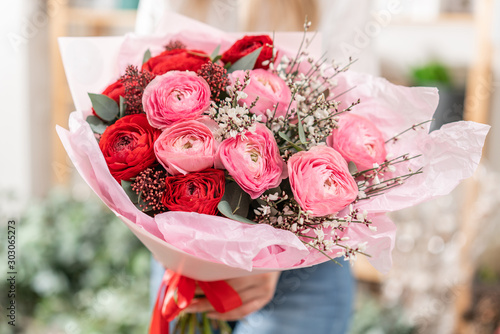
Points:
(195, 192)
(128, 146)
(247, 45)
(176, 60)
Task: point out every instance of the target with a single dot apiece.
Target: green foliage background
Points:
(80, 270)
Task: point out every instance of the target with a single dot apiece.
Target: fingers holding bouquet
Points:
(255, 292)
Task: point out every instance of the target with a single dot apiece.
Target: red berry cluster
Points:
(150, 185)
(174, 45)
(216, 77)
(135, 82)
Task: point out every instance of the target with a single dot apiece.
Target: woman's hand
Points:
(255, 292)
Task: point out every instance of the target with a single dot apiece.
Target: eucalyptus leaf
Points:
(96, 124)
(147, 56)
(105, 107)
(247, 62)
(227, 211)
(352, 167)
(123, 106)
(302, 135)
(237, 198)
(141, 205)
(215, 53)
(127, 186)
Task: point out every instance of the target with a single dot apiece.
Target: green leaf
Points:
(105, 107)
(147, 56)
(141, 205)
(237, 198)
(302, 135)
(127, 186)
(352, 167)
(247, 62)
(198, 54)
(96, 124)
(207, 329)
(215, 53)
(227, 211)
(216, 59)
(285, 137)
(123, 106)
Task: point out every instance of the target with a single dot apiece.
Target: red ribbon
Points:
(176, 293)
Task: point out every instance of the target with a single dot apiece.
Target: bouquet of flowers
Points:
(233, 155)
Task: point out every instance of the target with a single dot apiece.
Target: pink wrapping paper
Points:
(212, 248)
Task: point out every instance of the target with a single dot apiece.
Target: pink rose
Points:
(185, 147)
(358, 140)
(253, 160)
(320, 181)
(270, 89)
(175, 96)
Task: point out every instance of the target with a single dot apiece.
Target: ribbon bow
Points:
(176, 293)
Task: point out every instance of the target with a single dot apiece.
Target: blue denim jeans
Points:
(317, 300)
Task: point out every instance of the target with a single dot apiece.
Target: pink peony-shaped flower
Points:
(253, 160)
(320, 181)
(175, 96)
(186, 147)
(358, 140)
(270, 89)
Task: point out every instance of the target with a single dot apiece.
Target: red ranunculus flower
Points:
(115, 90)
(247, 45)
(176, 60)
(128, 146)
(195, 192)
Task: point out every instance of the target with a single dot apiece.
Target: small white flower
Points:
(273, 197)
(372, 228)
(362, 246)
(320, 234)
(299, 98)
(294, 227)
(241, 95)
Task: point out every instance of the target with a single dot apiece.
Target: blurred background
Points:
(81, 271)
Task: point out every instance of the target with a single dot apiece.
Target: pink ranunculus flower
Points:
(253, 160)
(320, 181)
(186, 147)
(270, 89)
(358, 140)
(175, 96)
